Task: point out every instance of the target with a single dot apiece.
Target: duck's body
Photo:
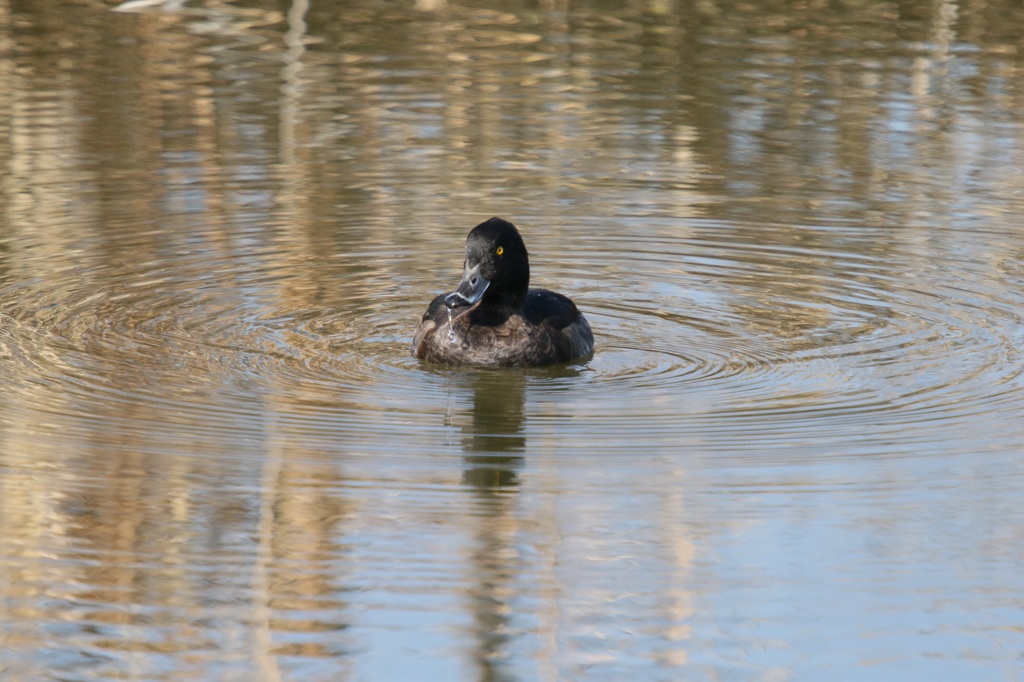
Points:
(546, 329)
(493, 318)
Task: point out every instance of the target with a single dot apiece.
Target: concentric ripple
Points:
(706, 337)
(777, 341)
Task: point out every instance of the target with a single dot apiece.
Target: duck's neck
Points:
(511, 292)
(500, 306)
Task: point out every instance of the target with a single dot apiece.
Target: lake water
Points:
(797, 453)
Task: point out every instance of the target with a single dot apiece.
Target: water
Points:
(795, 454)
(452, 336)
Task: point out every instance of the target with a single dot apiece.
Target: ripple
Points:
(790, 341)
(716, 340)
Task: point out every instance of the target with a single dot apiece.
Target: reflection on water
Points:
(794, 230)
(494, 442)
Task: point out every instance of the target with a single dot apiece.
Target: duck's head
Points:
(497, 267)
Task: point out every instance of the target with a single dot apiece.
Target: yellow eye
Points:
(501, 250)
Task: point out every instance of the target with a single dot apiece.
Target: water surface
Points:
(796, 453)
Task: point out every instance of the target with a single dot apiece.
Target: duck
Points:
(493, 318)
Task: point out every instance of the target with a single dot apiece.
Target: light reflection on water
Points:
(795, 453)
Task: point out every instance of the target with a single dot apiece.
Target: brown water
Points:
(797, 454)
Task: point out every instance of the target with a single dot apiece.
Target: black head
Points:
(497, 268)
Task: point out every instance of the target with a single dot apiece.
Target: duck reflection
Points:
(494, 443)
(493, 439)
(495, 447)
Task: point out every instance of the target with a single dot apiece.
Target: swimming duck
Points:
(493, 318)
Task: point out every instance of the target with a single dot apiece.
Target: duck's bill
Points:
(470, 290)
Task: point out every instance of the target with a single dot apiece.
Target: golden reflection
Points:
(678, 594)
(207, 216)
